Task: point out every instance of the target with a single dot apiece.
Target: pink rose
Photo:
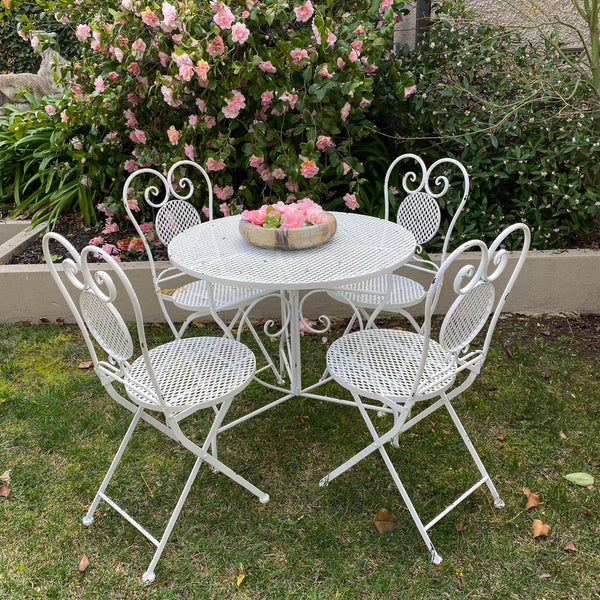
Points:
(173, 135)
(138, 137)
(99, 84)
(240, 33)
(315, 215)
(267, 67)
(83, 32)
(304, 12)
(215, 165)
(298, 54)
(149, 18)
(256, 217)
(345, 111)
(292, 218)
(224, 17)
(351, 201)
(309, 169)
(189, 151)
(324, 142)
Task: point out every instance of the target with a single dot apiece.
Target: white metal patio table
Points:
(362, 247)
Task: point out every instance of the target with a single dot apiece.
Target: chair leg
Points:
(149, 575)
(100, 494)
(498, 502)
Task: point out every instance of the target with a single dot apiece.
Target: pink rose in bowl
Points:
(292, 218)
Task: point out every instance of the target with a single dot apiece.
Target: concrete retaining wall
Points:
(551, 282)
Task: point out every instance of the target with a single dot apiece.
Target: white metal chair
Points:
(446, 181)
(407, 371)
(175, 379)
(174, 215)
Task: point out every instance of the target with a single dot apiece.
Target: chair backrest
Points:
(423, 192)
(91, 292)
(481, 287)
(169, 195)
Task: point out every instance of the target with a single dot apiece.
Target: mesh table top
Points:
(362, 247)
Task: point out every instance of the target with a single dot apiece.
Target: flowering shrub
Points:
(303, 213)
(268, 96)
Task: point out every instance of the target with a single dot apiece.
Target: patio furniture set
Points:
(407, 374)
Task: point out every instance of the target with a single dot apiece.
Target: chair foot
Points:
(148, 577)
(87, 520)
(436, 559)
(499, 503)
(324, 482)
(264, 498)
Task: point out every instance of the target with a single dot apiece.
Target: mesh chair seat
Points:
(192, 371)
(193, 296)
(379, 363)
(368, 293)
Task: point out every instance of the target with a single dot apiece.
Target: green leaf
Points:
(583, 479)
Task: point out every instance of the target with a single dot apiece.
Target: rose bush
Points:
(268, 96)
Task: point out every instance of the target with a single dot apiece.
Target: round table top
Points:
(362, 247)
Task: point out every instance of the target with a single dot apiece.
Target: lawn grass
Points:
(533, 415)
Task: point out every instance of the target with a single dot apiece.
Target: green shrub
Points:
(521, 122)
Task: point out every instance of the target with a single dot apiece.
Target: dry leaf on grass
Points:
(4, 491)
(84, 563)
(545, 576)
(533, 500)
(384, 520)
(5, 476)
(570, 547)
(240, 578)
(86, 364)
(540, 529)
(562, 435)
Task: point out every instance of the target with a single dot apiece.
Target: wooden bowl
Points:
(289, 239)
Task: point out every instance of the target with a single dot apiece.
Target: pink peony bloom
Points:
(164, 59)
(99, 84)
(341, 63)
(233, 105)
(132, 122)
(224, 17)
(189, 151)
(298, 54)
(240, 33)
(351, 201)
(292, 218)
(256, 161)
(140, 46)
(83, 32)
(149, 18)
(215, 165)
(96, 241)
(309, 169)
(35, 41)
(111, 228)
(324, 142)
(138, 137)
(173, 135)
(365, 102)
(385, 4)
(224, 193)
(209, 121)
(256, 217)
(217, 46)
(131, 166)
(134, 68)
(315, 215)
(266, 98)
(169, 15)
(409, 91)
(267, 67)
(202, 68)
(278, 173)
(345, 111)
(225, 209)
(304, 12)
(50, 110)
(167, 93)
(324, 72)
(133, 204)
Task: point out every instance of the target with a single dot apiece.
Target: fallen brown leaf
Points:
(562, 435)
(4, 491)
(6, 476)
(545, 576)
(570, 547)
(384, 520)
(460, 526)
(540, 529)
(501, 437)
(86, 364)
(84, 563)
(533, 500)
